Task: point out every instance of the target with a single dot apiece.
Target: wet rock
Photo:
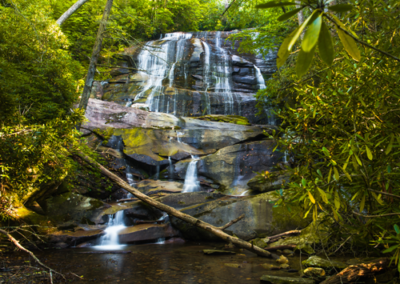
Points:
(61, 245)
(153, 186)
(74, 238)
(260, 217)
(146, 232)
(285, 280)
(188, 199)
(236, 119)
(233, 265)
(276, 180)
(217, 251)
(248, 79)
(314, 272)
(282, 260)
(316, 261)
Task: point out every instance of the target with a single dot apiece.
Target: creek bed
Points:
(158, 263)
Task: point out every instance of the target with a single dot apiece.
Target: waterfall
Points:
(206, 75)
(261, 84)
(170, 170)
(115, 224)
(191, 183)
(222, 73)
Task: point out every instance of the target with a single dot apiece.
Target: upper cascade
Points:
(191, 74)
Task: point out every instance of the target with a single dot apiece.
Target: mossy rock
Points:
(235, 119)
(316, 261)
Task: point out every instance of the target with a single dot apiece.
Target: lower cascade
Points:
(115, 224)
(191, 182)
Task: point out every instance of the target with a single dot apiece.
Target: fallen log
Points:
(275, 238)
(353, 273)
(172, 211)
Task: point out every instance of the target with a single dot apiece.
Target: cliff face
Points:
(191, 74)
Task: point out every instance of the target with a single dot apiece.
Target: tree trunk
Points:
(172, 211)
(353, 273)
(95, 55)
(300, 17)
(70, 11)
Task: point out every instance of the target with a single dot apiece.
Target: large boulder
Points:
(272, 181)
(146, 232)
(261, 217)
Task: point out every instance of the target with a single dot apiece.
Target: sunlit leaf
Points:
(389, 147)
(335, 170)
(369, 154)
(391, 249)
(283, 52)
(337, 200)
(312, 34)
(290, 14)
(304, 61)
(325, 45)
(323, 195)
(341, 7)
(349, 44)
(300, 30)
(311, 197)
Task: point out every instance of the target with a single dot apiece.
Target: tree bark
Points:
(172, 211)
(95, 55)
(70, 11)
(354, 272)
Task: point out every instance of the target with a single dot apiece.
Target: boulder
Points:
(316, 261)
(269, 279)
(74, 238)
(146, 232)
(314, 272)
(261, 218)
(275, 180)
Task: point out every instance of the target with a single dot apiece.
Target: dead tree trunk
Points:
(353, 273)
(95, 55)
(172, 211)
(70, 11)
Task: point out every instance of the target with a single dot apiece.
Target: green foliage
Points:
(341, 123)
(35, 69)
(35, 155)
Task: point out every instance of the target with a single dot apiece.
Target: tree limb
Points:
(70, 11)
(18, 245)
(360, 41)
(383, 193)
(277, 237)
(227, 8)
(376, 216)
(232, 222)
(172, 211)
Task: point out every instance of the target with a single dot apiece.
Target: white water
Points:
(110, 240)
(222, 73)
(191, 182)
(206, 75)
(261, 84)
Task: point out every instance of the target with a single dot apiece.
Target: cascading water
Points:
(222, 71)
(261, 84)
(206, 75)
(115, 224)
(191, 182)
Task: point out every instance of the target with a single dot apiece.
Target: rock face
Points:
(261, 218)
(190, 74)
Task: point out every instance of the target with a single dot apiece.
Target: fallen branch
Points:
(232, 222)
(18, 245)
(352, 273)
(279, 236)
(172, 211)
(376, 216)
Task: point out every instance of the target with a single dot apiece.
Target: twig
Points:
(360, 41)
(227, 8)
(232, 222)
(383, 193)
(277, 237)
(18, 245)
(342, 244)
(376, 216)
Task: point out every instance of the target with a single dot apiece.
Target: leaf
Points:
(329, 175)
(389, 147)
(362, 204)
(325, 45)
(341, 7)
(304, 182)
(300, 30)
(369, 154)
(304, 61)
(336, 176)
(323, 195)
(311, 197)
(397, 229)
(305, 215)
(349, 44)
(326, 151)
(284, 52)
(312, 34)
(290, 14)
(272, 4)
(337, 200)
(358, 160)
(390, 249)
